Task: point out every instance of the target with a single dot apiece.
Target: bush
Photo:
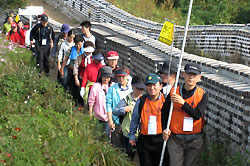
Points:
(39, 124)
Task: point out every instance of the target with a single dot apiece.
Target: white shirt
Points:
(91, 38)
(65, 46)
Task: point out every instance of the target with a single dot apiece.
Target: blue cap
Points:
(152, 78)
(65, 28)
(98, 56)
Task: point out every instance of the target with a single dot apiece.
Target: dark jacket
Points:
(40, 32)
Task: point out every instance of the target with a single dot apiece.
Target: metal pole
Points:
(170, 60)
(177, 78)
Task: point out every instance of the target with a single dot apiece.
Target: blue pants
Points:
(64, 80)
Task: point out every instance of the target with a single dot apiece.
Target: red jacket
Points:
(16, 37)
(82, 67)
(91, 73)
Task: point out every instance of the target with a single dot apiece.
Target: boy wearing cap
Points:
(147, 112)
(87, 35)
(167, 82)
(117, 92)
(125, 109)
(90, 75)
(44, 37)
(186, 125)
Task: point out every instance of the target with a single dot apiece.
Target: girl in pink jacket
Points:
(97, 97)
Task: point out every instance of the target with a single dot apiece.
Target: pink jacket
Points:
(97, 98)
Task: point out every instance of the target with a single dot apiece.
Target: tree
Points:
(12, 4)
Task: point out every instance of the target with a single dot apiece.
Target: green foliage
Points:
(39, 126)
(204, 12)
(218, 153)
(12, 4)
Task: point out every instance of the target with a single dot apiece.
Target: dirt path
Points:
(55, 14)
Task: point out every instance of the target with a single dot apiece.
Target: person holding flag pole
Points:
(184, 107)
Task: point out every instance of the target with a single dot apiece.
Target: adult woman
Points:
(97, 97)
(64, 49)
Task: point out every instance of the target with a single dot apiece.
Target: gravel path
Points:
(55, 14)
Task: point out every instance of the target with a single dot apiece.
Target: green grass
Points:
(52, 130)
(148, 10)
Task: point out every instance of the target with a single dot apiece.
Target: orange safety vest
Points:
(151, 108)
(178, 114)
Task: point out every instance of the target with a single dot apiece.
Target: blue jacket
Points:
(113, 98)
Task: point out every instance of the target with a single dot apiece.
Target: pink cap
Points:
(112, 55)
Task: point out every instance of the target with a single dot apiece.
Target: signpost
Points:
(30, 10)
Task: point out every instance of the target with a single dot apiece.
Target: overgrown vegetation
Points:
(218, 152)
(39, 125)
(12, 4)
(204, 12)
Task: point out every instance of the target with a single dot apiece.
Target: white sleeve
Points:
(60, 53)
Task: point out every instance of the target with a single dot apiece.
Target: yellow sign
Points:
(167, 32)
(17, 18)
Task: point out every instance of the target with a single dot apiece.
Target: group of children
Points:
(133, 111)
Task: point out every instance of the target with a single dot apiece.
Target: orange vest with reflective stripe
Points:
(151, 108)
(178, 114)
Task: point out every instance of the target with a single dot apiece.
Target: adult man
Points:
(7, 25)
(87, 35)
(44, 36)
(147, 111)
(167, 84)
(190, 102)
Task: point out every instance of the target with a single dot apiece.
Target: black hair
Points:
(97, 51)
(100, 79)
(71, 32)
(86, 24)
(89, 43)
(137, 79)
(78, 38)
